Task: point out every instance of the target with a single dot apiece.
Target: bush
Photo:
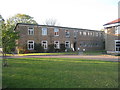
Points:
(38, 48)
(51, 48)
(62, 48)
(69, 49)
(21, 51)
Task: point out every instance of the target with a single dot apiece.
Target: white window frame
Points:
(44, 30)
(96, 34)
(100, 34)
(30, 30)
(31, 45)
(57, 45)
(88, 33)
(116, 46)
(45, 45)
(91, 33)
(56, 31)
(75, 33)
(80, 32)
(67, 33)
(84, 33)
(68, 43)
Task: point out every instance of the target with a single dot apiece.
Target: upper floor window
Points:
(85, 33)
(30, 31)
(44, 44)
(91, 33)
(56, 45)
(100, 34)
(97, 34)
(67, 33)
(75, 33)
(30, 45)
(88, 33)
(80, 32)
(44, 31)
(117, 30)
(56, 31)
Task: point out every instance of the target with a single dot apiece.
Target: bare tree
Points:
(51, 22)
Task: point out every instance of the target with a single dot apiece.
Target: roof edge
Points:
(53, 26)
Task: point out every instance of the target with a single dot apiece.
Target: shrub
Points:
(69, 49)
(21, 51)
(62, 48)
(38, 48)
(51, 48)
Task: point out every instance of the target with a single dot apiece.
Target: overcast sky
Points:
(88, 14)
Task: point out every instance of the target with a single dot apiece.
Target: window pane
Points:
(67, 44)
(30, 31)
(44, 31)
(67, 33)
(56, 31)
(117, 45)
(30, 45)
(44, 44)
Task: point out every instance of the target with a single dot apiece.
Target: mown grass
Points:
(60, 73)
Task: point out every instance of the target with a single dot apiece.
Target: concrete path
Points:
(95, 57)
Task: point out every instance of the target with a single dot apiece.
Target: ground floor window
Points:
(56, 45)
(117, 45)
(30, 45)
(44, 44)
(67, 44)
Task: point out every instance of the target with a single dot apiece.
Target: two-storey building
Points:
(74, 38)
(112, 36)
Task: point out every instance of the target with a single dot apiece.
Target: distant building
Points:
(112, 36)
(72, 38)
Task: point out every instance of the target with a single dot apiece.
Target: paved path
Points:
(95, 57)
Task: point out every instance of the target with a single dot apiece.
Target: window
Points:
(83, 44)
(56, 31)
(44, 44)
(67, 33)
(100, 34)
(30, 45)
(75, 33)
(88, 33)
(117, 45)
(97, 34)
(30, 31)
(80, 32)
(56, 45)
(44, 31)
(91, 33)
(84, 33)
(67, 44)
(117, 30)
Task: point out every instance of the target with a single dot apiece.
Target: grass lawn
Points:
(60, 73)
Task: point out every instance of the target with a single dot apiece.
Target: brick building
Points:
(112, 36)
(45, 35)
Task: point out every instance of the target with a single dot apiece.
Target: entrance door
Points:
(75, 46)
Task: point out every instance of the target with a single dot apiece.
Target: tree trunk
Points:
(5, 64)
